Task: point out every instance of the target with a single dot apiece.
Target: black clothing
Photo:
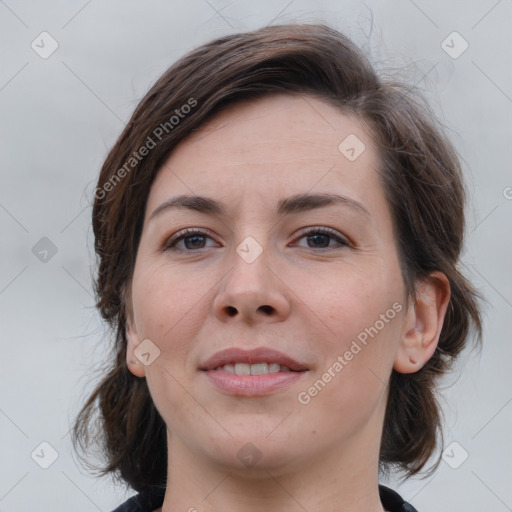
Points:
(154, 498)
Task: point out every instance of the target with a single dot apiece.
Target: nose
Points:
(252, 292)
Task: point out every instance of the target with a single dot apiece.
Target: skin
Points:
(319, 456)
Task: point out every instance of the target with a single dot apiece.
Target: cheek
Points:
(167, 305)
(355, 297)
(161, 291)
(352, 382)
(362, 309)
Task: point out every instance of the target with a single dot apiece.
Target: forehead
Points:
(274, 146)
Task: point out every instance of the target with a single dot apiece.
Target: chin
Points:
(256, 455)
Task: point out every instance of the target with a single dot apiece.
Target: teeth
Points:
(242, 369)
(275, 367)
(229, 368)
(259, 369)
(253, 369)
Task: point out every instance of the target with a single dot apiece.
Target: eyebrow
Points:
(293, 204)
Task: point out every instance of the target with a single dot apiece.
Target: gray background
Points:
(59, 117)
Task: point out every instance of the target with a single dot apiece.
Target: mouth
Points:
(255, 372)
(260, 360)
(254, 368)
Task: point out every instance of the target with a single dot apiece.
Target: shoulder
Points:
(393, 502)
(153, 499)
(145, 501)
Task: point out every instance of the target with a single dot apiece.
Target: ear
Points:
(423, 323)
(133, 340)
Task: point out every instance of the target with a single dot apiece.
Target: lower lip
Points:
(251, 385)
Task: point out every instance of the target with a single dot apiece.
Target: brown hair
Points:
(421, 176)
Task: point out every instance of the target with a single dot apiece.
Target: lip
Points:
(258, 355)
(251, 385)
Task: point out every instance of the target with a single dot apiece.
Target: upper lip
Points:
(258, 355)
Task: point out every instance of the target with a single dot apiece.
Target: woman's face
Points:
(294, 252)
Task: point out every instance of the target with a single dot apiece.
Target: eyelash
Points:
(190, 232)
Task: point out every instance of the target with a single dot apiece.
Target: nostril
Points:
(232, 311)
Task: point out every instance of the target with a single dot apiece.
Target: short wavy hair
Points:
(421, 176)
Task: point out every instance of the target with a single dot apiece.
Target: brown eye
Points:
(193, 239)
(321, 238)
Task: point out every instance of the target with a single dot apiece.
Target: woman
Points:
(278, 231)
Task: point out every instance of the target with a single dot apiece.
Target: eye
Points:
(321, 238)
(192, 238)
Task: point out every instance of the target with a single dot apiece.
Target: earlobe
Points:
(132, 338)
(423, 323)
(132, 342)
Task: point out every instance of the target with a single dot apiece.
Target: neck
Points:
(338, 480)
